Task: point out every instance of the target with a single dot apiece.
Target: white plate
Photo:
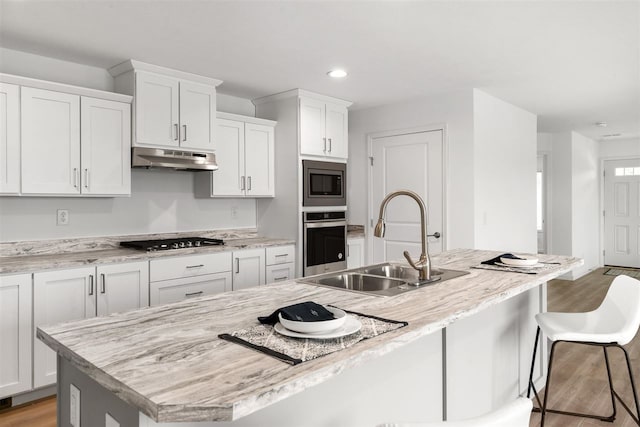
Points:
(351, 326)
(524, 262)
(316, 327)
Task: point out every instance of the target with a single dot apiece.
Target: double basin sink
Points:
(382, 279)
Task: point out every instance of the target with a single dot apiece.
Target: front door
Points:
(622, 212)
(409, 160)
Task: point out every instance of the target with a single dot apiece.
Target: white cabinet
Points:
(15, 334)
(9, 139)
(355, 253)
(245, 156)
(248, 268)
(174, 279)
(323, 129)
(65, 152)
(171, 108)
(81, 293)
(280, 263)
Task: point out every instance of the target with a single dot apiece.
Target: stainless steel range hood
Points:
(173, 159)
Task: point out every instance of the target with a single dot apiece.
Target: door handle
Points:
(176, 135)
(91, 284)
(103, 284)
(436, 235)
(184, 133)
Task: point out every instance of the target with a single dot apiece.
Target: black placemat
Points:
(265, 339)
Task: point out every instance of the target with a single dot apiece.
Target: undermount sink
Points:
(382, 279)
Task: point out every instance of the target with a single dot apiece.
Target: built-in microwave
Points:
(325, 183)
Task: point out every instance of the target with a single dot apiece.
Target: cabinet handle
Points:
(75, 177)
(195, 266)
(237, 265)
(103, 285)
(348, 250)
(86, 178)
(176, 135)
(325, 144)
(276, 279)
(279, 255)
(242, 183)
(193, 294)
(91, 284)
(249, 183)
(329, 144)
(184, 133)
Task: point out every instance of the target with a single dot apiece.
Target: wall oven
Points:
(325, 242)
(325, 183)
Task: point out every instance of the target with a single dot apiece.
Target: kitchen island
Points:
(165, 365)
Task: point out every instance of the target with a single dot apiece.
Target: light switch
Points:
(109, 421)
(74, 406)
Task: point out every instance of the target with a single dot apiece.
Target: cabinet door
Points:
(9, 139)
(105, 132)
(15, 334)
(248, 268)
(197, 116)
(355, 253)
(259, 160)
(337, 131)
(59, 296)
(229, 179)
(169, 291)
(280, 272)
(50, 142)
(156, 105)
(122, 287)
(312, 127)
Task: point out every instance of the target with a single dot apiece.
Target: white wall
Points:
(562, 215)
(620, 148)
(161, 200)
(504, 175)
(455, 111)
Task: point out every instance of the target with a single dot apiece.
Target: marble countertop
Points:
(28, 263)
(168, 362)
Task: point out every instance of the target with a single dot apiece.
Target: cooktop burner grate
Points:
(169, 244)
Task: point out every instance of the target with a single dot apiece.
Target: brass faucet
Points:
(424, 263)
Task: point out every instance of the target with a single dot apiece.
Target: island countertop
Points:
(168, 361)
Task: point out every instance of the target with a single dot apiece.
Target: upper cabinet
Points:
(9, 138)
(58, 139)
(172, 109)
(323, 128)
(245, 156)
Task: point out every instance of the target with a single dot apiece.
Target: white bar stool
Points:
(613, 324)
(515, 414)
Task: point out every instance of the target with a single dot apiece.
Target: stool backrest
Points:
(622, 303)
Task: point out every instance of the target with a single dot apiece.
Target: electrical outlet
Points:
(74, 406)
(234, 212)
(62, 216)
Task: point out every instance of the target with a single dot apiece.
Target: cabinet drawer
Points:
(280, 272)
(188, 266)
(280, 255)
(170, 291)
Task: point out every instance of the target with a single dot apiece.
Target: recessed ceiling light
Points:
(601, 124)
(337, 73)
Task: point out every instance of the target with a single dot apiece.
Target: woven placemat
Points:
(265, 339)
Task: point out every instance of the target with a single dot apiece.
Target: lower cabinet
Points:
(80, 293)
(168, 291)
(15, 334)
(280, 262)
(280, 273)
(248, 268)
(355, 253)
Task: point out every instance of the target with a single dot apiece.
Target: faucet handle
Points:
(410, 261)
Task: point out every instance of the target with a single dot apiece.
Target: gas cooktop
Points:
(168, 244)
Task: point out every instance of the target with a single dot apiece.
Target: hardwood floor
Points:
(579, 382)
(579, 375)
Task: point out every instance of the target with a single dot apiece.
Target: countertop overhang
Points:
(168, 361)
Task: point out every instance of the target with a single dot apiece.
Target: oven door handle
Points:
(322, 224)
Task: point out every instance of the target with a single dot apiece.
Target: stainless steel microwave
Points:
(325, 183)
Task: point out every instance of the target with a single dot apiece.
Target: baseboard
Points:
(30, 396)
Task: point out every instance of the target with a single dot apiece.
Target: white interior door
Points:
(409, 161)
(622, 212)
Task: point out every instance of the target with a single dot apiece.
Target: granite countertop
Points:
(149, 360)
(52, 255)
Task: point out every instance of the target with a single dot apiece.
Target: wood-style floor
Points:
(579, 376)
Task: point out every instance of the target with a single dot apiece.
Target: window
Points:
(628, 171)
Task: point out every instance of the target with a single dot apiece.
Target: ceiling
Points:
(573, 63)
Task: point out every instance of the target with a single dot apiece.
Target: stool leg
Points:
(613, 398)
(633, 388)
(533, 363)
(543, 409)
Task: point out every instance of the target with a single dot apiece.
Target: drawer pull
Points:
(276, 279)
(279, 255)
(195, 266)
(193, 294)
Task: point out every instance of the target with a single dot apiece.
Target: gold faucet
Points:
(424, 263)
